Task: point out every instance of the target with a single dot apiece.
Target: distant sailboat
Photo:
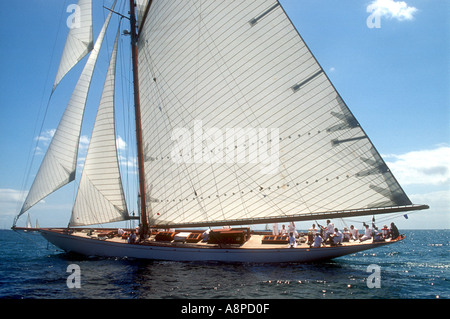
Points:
(236, 124)
(29, 222)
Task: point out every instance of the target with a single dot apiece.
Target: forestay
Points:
(242, 125)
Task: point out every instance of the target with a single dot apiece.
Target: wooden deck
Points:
(254, 242)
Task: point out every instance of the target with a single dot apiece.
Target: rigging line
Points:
(233, 78)
(200, 23)
(195, 98)
(125, 120)
(27, 238)
(237, 86)
(167, 118)
(234, 172)
(191, 50)
(115, 123)
(382, 219)
(31, 158)
(343, 222)
(269, 201)
(197, 172)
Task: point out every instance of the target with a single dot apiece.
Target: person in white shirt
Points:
(367, 234)
(317, 241)
(354, 232)
(347, 235)
(329, 230)
(311, 234)
(337, 237)
(283, 231)
(275, 229)
(292, 242)
(291, 228)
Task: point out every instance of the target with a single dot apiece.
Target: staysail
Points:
(241, 125)
(59, 164)
(79, 41)
(100, 197)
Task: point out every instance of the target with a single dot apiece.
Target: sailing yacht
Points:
(237, 124)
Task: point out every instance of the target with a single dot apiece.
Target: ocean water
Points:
(416, 268)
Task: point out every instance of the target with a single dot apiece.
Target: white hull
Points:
(105, 248)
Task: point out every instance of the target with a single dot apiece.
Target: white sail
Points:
(59, 164)
(141, 6)
(79, 41)
(29, 222)
(100, 197)
(208, 68)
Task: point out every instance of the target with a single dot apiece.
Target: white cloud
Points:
(121, 144)
(11, 195)
(10, 203)
(392, 9)
(438, 216)
(44, 140)
(125, 160)
(438, 201)
(431, 167)
(84, 143)
(46, 136)
(130, 162)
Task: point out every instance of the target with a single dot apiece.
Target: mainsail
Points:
(59, 164)
(79, 41)
(100, 197)
(241, 124)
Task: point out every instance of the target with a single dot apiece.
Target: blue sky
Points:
(395, 78)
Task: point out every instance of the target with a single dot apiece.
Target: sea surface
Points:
(416, 268)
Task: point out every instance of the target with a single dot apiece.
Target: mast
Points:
(137, 109)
